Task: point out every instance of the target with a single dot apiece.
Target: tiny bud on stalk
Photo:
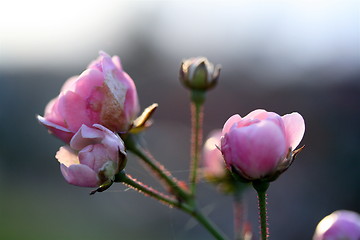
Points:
(199, 74)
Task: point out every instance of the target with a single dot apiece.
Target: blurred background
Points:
(282, 56)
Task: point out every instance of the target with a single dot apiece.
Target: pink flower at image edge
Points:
(341, 224)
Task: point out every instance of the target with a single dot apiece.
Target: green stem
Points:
(157, 168)
(146, 190)
(171, 202)
(208, 225)
(197, 101)
(261, 188)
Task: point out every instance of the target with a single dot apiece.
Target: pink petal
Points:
(63, 133)
(103, 129)
(341, 224)
(86, 157)
(230, 122)
(52, 113)
(69, 84)
(88, 81)
(49, 109)
(67, 156)
(79, 175)
(261, 114)
(117, 62)
(96, 64)
(214, 165)
(73, 108)
(86, 136)
(294, 129)
(108, 67)
(95, 156)
(257, 114)
(112, 141)
(131, 107)
(256, 149)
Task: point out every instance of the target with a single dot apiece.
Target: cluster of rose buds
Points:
(93, 108)
(87, 114)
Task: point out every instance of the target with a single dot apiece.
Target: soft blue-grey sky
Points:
(277, 36)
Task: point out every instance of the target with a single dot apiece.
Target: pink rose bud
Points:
(94, 157)
(213, 161)
(102, 94)
(339, 225)
(260, 145)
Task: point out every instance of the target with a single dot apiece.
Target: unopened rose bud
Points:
(339, 225)
(94, 157)
(102, 94)
(199, 74)
(260, 145)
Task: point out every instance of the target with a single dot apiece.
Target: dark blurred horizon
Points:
(316, 75)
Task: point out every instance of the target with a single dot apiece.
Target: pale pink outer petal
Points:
(111, 140)
(131, 104)
(52, 113)
(294, 129)
(79, 175)
(86, 157)
(121, 87)
(108, 66)
(86, 136)
(257, 114)
(132, 107)
(63, 133)
(96, 64)
(67, 156)
(213, 162)
(261, 114)
(230, 122)
(256, 149)
(116, 60)
(73, 109)
(49, 109)
(95, 156)
(88, 81)
(69, 84)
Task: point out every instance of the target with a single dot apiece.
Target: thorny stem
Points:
(171, 202)
(146, 190)
(208, 225)
(159, 170)
(261, 188)
(197, 101)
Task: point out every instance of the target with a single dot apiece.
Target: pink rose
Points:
(213, 161)
(102, 94)
(94, 156)
(341, 224)
(260, 144)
